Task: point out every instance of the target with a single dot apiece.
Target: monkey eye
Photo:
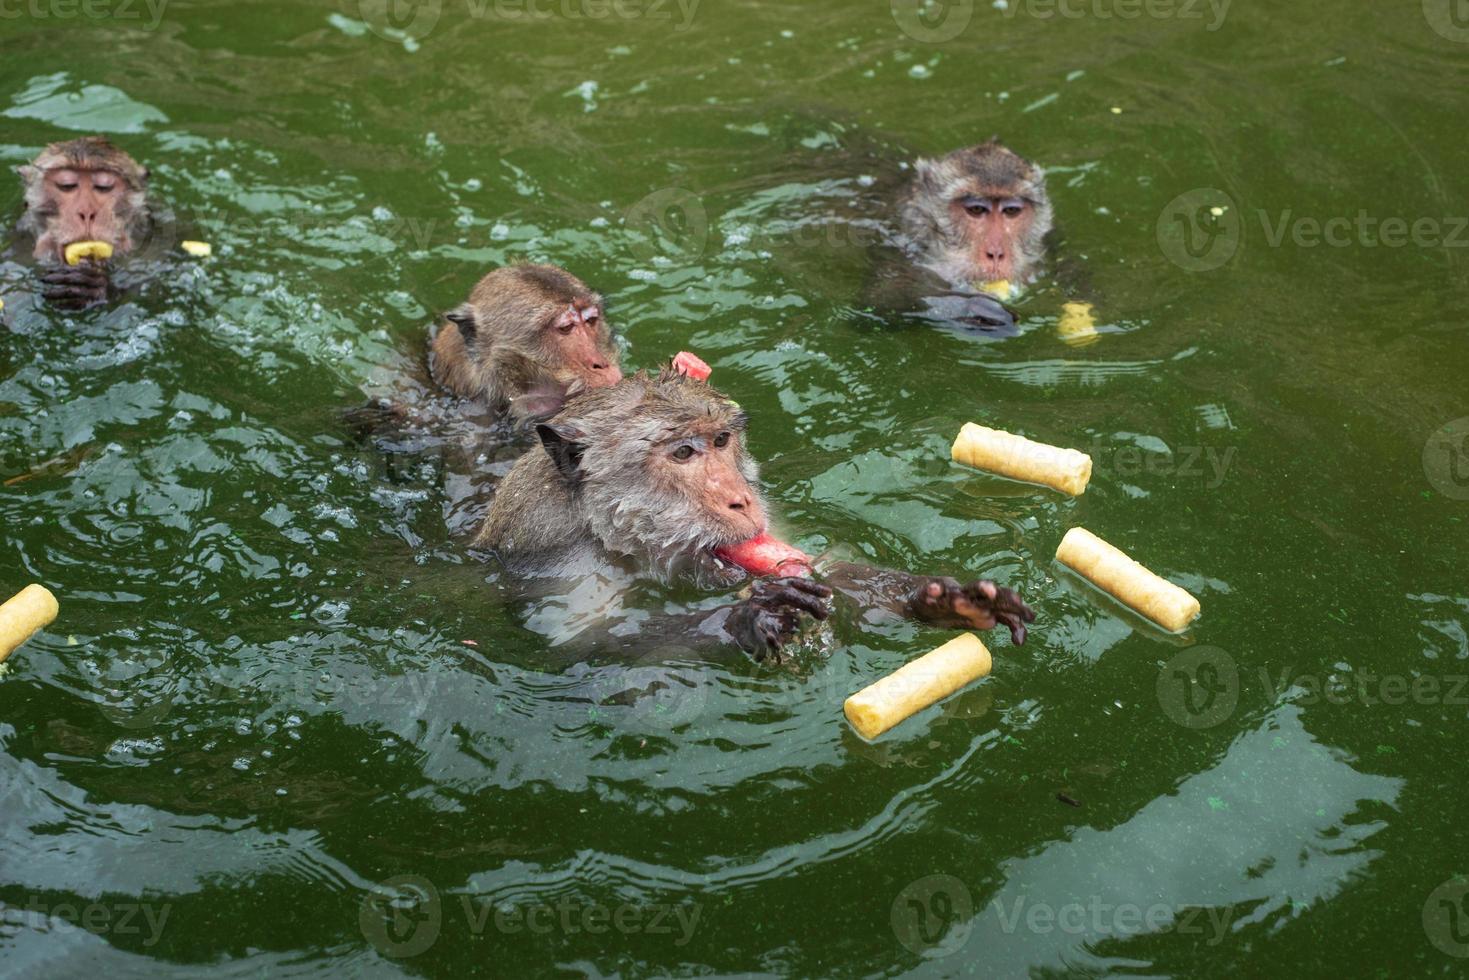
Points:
(721, 440)
(976, 206)
(1013, 210)
(67, 185)
(683, 453)
(566, 326)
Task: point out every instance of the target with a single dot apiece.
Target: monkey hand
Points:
(942, 601)
(770, 617)
(75, 287)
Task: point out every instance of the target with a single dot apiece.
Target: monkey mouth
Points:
(764, 554)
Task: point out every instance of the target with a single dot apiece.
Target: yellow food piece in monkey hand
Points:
(76, 251)
(1067, 470)
(1114, 572)
(916, 685)
(1077, 326)
(29, 610)
(199, 250)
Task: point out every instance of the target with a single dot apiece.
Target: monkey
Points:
(528, 338)
(977, 215)
(651, 477)
(84, 189)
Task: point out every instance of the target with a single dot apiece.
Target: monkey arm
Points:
(936, 600)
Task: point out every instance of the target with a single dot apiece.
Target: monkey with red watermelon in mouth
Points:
(650, 477)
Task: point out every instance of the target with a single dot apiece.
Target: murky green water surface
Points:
(256, 742)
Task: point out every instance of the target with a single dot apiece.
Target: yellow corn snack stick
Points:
(1067, 470)
(1114, 572)
(29, 610)
(1077, 326)
(199, 250)
(76, 251)
(916, 685)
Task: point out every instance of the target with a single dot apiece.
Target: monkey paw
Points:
(942, 601)
(75, 287)
(770, 618)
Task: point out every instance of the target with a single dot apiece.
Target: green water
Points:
(255, 743)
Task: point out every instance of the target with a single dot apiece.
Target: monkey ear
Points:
(27, 172)
(463, 318)
(563, 443)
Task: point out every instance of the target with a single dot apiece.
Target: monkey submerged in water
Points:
(651, 477)
(83, 190)
(974, 223)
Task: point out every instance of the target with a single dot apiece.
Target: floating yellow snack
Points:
(199, 250)
(76, 251)
(1017, 457)
(916, 685)
(998, 288)
(1077, 326)
(29, 610)
(1112, 571)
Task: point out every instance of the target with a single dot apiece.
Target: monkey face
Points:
(82, 205)
(661, 472)
(996, 228)
(577, 346)
(978, 214)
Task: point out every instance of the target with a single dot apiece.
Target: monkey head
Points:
(84, 190)
(529, 337)
(979, 214)
(660, 473)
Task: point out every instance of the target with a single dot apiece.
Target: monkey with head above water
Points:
(528, 338)
(971, 220)
(82, 190)
(650, 477)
